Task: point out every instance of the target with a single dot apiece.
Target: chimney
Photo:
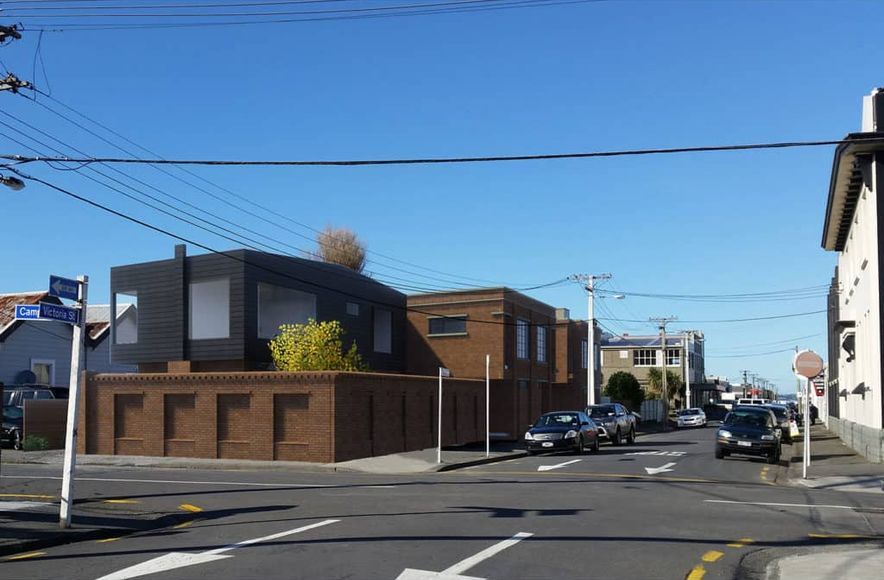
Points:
(180, 251)
(873, 111)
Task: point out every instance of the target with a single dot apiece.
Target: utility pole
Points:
(588, 280)
(661, 323)
(745, 381)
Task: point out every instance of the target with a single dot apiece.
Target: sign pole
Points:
(439, 423)
(487, 405)
(70, 440)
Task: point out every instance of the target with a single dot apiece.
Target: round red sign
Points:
(808, 364)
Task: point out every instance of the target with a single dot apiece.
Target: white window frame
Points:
(45, 361)
(640, 357)
(673, 361)
(523, 332)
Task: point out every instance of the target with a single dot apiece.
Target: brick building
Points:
(458, 329)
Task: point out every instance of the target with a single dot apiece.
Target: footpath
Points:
(835, 467)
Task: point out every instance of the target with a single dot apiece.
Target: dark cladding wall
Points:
(162, 289)
(317, 417)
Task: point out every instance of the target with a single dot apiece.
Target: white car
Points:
(693, 417)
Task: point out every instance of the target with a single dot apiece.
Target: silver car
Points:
(693, 417)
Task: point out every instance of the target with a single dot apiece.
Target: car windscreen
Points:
(747, 418)
(601, 411)
(12, 412)
(7, 397)
(558, 420)
(780, 412)
(684, 412)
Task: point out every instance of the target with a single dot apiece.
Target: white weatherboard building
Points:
(854, 214)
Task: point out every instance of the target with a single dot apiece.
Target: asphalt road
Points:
(662, 508)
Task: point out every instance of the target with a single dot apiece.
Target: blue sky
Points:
(583, 77)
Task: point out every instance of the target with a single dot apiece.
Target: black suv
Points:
(749, 430)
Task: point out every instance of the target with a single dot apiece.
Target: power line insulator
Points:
(13, 83)
(9, 33)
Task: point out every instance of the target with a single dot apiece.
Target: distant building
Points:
(853, 400)
(639, 354)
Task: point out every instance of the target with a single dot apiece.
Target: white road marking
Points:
(661, 469)
(662, 453)
(454, 572)
(557, 466)
(15, 506)
(175, 560)
(174, 481)
(798, 505)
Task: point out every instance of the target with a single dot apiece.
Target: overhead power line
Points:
(751, 355)
(230, 256)
(443, 160)
(775, 317)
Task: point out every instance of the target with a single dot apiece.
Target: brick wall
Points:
(318, 417)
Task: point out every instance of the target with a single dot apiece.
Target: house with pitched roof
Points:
(39, 351)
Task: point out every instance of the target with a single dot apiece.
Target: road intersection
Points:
(661, 508)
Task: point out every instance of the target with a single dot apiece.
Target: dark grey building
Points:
(217, 312)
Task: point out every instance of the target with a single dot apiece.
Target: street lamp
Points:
(13, 183)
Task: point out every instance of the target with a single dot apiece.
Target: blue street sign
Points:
(27, 312)
(60, 313)
(64, 287)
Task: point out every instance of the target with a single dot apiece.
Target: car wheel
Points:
(615, 440)
(531, 452)
(579, 449)
(719, 453)
(630, 438)
(16, 439)
(595, 445)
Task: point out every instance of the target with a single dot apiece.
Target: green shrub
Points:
(35, 443)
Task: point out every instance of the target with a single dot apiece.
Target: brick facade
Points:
(318, 417)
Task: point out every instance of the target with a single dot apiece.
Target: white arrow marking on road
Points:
(454, 572)
(558, 465)
(661, 469)
(175, 560)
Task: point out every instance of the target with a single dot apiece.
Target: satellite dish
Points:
(25, 378)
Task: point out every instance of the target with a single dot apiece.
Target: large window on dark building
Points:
(383, 331)
(278, 305)
(522, 338)
(541, 344)
(447, 325)
(209, 309)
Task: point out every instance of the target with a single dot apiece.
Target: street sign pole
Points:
(70, 440)
(807, 364)
(443, 372)
(487, 405)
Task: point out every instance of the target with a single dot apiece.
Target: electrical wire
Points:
(230, 256)
(453, 160)
(451, 278)
(751, 355)
(775, 317)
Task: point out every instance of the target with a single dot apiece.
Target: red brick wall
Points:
(319, 417)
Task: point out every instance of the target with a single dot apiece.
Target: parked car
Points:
(752, 401)
(693, 417)
(614, 422)
(784, 418)
(749, 430)
(562, 430)
(17, 395)
(11, 429)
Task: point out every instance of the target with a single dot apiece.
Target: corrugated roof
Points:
(8, 302)
(98, 318)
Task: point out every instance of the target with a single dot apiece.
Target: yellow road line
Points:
(186, 524)
(25, 556)
(696, 573)
(190, 508)
(842, 536)
(121, 501)
(27, 495)
(106, 540)
(712, 556)
(741, 543)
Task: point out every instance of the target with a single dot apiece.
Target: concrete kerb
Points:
(765, 563)
(482, 461)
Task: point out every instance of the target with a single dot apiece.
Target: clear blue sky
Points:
(583, 77)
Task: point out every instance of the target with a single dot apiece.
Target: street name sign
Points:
(64, 288)
(27, 312)
(60, 313)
